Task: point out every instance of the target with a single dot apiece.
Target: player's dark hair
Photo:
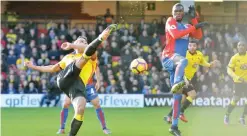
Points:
(82, 37)
(244, 43)
(193, 40)
(176, 5)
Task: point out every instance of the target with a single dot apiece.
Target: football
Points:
(138, 66)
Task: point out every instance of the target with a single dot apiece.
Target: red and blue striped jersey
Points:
(177, 37)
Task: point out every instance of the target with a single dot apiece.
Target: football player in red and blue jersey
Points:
(173, 56)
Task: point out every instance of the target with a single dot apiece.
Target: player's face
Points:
(178, 12)
(80, 41)
(192, 47)
(242, 47)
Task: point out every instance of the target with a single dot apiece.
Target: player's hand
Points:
(29, 64)
(192, 12)
(202, 24)
(97, 86)
(214, 63)
(66, 46)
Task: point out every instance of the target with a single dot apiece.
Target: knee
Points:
(193, 94)
(66, 105)
(80, 109)
(96, 105)
(184, 61)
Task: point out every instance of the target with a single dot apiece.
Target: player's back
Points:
(179, 45)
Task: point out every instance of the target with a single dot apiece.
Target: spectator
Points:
(11, 58)
(108, 16)
(43, 39)
(144, 39)
(22, 35)
(43, 60)
(11, 89)
(53, 54)
(63, 30)
(153, 27)
(31, 36)
(20, 62)
(43, 87)
(32, 89)
(11, 36)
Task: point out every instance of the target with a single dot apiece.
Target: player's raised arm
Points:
(171, 26)
(49, 68)
(192, 15)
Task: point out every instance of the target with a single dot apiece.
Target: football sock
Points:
(231, 107)
(179, 72)
(101, 117)
(186, 104)
(76, 124)
(176, 109)
(92, 47)
(170, 113)
(63, 117)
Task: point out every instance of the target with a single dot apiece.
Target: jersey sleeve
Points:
(232, 63)
(230, 68)
(62, 63)
(198, 32)
(203, 61)
(171, 28)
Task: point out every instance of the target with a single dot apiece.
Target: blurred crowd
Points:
(41, 45)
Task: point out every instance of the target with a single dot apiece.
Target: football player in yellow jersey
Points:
(195, 58)
(91, 90)
(237, 69)
(71, 79)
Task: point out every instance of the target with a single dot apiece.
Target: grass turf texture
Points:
(122, 122)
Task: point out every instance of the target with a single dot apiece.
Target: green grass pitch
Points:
(121, 121)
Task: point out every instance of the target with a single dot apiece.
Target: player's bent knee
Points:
(66, 105)
(80, 109)
(96, 103)
(184, 61)
(192, 94)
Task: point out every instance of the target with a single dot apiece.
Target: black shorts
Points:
(70, 83)
(240, 89)
(187, 89)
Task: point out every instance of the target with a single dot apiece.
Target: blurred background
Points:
(35, 31)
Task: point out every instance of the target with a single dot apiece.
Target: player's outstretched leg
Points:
(242, 118)
(179, 73)
(79, 104)
(92, 47)
(64, 115)
(176, 111)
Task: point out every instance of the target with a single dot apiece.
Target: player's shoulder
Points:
(235, 56)
(171, 20)
(199, 53)
(68, 56)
